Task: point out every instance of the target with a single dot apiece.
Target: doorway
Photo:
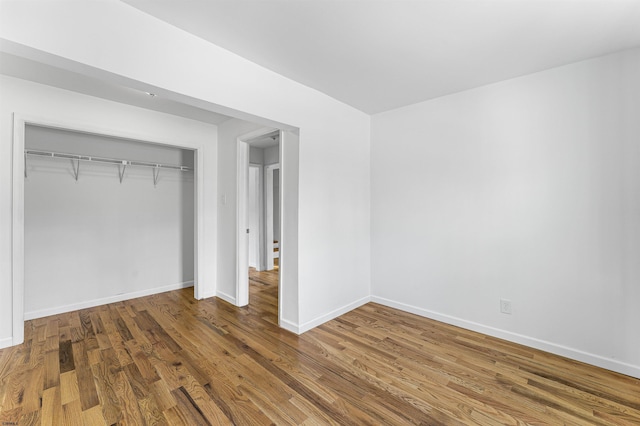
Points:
(256, 220)
(272, 215)
(259, 220)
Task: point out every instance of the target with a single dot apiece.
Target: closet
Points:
(106, 219)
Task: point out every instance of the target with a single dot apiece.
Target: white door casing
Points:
(268, 202)
(242, 231)
(256, 217)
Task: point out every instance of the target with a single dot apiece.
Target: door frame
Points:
(260, 231)
(288, 274)
(268, 213)
(242, 215)
(242, 221)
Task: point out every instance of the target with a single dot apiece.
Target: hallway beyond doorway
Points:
(263, 293)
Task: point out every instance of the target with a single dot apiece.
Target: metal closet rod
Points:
(115, 161)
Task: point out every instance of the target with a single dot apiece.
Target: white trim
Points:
(204, 283)
(333, 314)
(260, 255)
(104, 300)
(6, 342)
(288, 285)
(17, 231)
(226, 297)
(204, 295)
(242, 220)
(578, 355)
(261, 231)
(242, 215)
(202, 240)
(268, 213)
(290, 326)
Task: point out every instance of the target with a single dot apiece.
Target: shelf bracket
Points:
(121, 169)
(156, 173)
(76, 168)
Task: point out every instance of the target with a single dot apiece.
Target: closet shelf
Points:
(122, 164)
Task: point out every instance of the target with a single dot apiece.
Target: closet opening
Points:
(100, 218)
(106, 219)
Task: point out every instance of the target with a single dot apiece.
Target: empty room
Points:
(320, 212)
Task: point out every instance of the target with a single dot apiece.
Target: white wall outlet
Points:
(505, 306)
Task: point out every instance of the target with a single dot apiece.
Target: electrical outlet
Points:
(505, 306)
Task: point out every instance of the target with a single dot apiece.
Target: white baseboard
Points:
(554, 348)
(104, 300)
(333, 314)
(226, 297)
(290, 326)
(5, 342)
(208, 295)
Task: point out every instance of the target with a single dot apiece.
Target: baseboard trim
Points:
(289, 326)
(226, 297)
(333, 314)
(6, 342)
(208, 295)
(104, 300)
(575, 354)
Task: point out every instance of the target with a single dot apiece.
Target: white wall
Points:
(228, 133)
(333, 209)
(272, 155)
(264, 156)
(528, 190)
(50, 103)
(256, 155)
(276, 204)
(94, 239)
(254, 213)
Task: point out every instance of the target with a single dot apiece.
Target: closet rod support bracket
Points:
(121, 168)
(75, 163)
(156, 173)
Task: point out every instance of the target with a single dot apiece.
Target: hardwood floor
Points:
(169, 359)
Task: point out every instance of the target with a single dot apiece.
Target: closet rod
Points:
(105, 160)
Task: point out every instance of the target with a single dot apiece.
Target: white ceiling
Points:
(380, 55)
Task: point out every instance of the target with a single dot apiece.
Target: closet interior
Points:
(106, 219)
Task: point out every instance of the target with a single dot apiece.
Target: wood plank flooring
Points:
(169, 359)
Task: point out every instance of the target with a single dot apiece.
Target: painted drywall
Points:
(272, 155)
(264, 156)
(228, 133)
(276, 204)
(95, 239)
(333, 208)
(256, 155)
(47, 102)
(95, 145)
(333, 227)
(527, 190)
(254, 213)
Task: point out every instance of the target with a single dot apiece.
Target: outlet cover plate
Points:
(505, 306)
